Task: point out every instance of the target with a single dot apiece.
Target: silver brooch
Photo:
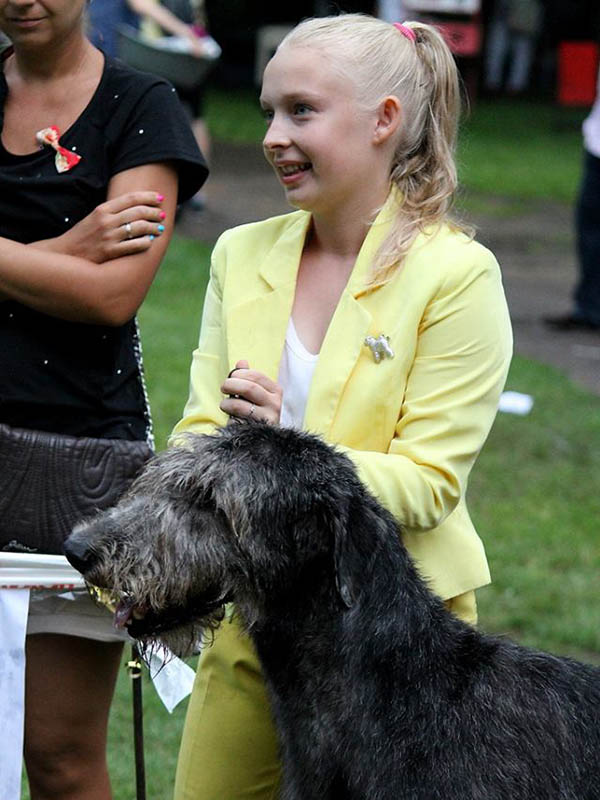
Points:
(380, 347)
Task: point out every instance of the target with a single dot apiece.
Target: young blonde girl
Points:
(364, 316)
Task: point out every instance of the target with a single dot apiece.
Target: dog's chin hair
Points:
(147, 648)
(184, 640)
(180, 642)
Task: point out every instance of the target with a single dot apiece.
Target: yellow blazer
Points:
(413, 424)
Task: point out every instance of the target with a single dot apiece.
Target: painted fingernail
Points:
(160, 197)
(162, 215)
(161, 228)
(151, 237)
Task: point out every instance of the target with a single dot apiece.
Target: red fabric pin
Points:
(65, 159)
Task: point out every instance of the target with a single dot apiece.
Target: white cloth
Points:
(515, 403)
(58, 587)
(61, 603)
(173, 679)
(14, 605)
(295, 376)
(38, 571)
(591, 126)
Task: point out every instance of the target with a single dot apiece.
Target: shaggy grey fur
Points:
(377, 691)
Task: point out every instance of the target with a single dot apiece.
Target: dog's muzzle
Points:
(79, 554)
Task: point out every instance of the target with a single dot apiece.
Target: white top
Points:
(591, 126)
(295, 376)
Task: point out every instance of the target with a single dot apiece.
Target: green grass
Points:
(529, 150)
(170, 323)
(534, 502)
(235, 116)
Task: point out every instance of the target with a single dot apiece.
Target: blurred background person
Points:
(585, 314)
(192, 15)
(514, 30)
(183, 19)
(106, 16)
(392, 11)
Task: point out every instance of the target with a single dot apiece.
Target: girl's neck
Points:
(66, 58)
(343, 232)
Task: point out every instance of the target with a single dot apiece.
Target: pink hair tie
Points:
(405, 31)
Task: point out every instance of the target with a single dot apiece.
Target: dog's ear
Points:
(359, 530)
(347, 559)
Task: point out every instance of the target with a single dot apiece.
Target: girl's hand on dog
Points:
(250, 394)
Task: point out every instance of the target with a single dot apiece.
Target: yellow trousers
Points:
(229, 748)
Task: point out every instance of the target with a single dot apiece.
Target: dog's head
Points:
(249, 514)
(141, 552)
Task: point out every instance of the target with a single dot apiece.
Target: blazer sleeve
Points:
(202, 413)
(463, 351)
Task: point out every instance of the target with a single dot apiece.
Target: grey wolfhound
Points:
(378, 692)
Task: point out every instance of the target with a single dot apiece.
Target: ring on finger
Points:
(252, 407)
(128, 230)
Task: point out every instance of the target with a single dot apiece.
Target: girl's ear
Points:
(389, 114)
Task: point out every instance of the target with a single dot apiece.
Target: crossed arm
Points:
(93, 273)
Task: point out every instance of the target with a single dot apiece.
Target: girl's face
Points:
(40, 21)
(319, 140)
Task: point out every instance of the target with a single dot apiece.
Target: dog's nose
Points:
(78, 553)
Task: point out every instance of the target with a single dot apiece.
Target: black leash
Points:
(135, 673)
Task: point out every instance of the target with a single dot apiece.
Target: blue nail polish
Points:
(151, 237)
(161, 228)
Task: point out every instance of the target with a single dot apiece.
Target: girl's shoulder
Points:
(449, 250)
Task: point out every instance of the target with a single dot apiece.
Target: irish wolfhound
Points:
(378, 692)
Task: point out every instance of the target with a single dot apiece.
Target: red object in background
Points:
(463, 38)
(577, 73)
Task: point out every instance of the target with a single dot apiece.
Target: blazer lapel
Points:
(256, 326)
(339, 353)
(349, 326)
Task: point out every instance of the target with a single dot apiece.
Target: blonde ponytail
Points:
(424, 167)
(380, 60)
